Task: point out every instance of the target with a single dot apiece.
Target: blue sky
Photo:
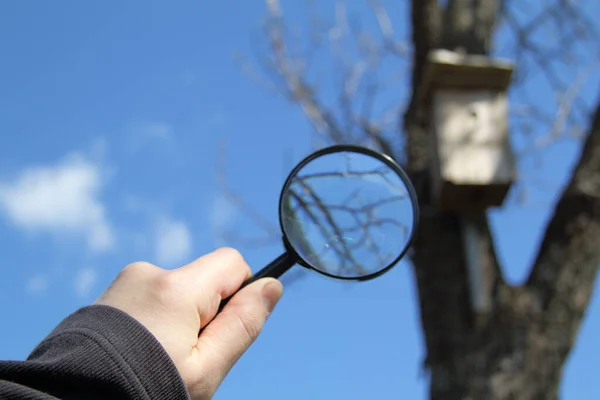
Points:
(112, 116)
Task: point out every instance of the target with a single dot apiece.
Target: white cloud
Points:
(84, 281)
(173, 242)
(60, 199)
(37, 284)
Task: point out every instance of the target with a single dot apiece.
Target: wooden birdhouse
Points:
(473, 165)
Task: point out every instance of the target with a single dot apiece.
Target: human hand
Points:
(176, 304)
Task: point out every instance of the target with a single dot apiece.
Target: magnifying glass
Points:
(346, 212)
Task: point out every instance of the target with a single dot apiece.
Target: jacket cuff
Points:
(124, 337)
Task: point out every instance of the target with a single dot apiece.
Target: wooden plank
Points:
(452, 70)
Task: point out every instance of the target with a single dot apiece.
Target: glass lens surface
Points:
(347, 214)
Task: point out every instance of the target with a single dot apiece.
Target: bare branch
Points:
(356, 79)
(387, 30)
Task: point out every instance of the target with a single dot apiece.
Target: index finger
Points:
(214, 277)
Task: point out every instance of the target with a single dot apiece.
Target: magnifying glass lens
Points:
(347, 214)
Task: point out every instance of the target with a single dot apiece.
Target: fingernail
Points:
(271, 293)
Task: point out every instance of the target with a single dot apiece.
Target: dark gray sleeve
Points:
(98, 352)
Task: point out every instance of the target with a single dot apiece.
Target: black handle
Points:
(275, 269)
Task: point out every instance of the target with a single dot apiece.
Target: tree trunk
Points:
(511, 357)
(518, 350)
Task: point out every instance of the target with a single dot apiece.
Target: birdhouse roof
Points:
(447, 69)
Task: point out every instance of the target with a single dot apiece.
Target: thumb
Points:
(234, 329)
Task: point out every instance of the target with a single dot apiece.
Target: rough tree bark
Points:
(519, 351)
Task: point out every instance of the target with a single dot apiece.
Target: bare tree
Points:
(518, 352)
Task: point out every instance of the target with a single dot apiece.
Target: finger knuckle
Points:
(230, 252)
(252, 325)
(137, 269)
(235, 256)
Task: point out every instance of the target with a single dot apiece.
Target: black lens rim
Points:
(361, 150)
